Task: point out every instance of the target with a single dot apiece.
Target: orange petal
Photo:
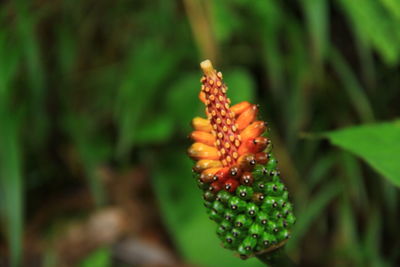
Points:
(201, 151)
(240, 107)
(203, 164)
(253, 130)
(247, 117)
(203, 137)
(253, 145)
(200, 124)
(202, 97)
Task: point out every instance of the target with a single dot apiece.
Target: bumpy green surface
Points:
(255, 217)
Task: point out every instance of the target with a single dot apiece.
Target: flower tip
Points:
(207, 67)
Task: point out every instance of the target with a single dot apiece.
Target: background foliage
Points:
(91, 84)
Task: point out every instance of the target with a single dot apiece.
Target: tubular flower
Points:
(234, 166)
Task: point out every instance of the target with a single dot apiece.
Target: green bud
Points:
(269, 204)
(221, 231)
(237, 232)
(267, 239)
(276, 214)
(244, 192)
(229, 215)
(201, 185)
(214, 216)
(243, 222)
(256, 230)
(218, 207)
(223, 196)
(259, 172)
(242, 251)
(272, 227)
(290, 219)
(252, 209)
(208, 204)
(274, 189)
(272, 163)
(229, 240)
(262, 218)
(236, 204)
(249, 243)
(209, 196)
(226, 225)
(283, 234)
(259, 186)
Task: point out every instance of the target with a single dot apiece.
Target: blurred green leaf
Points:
(314, 208)
(241, 86)
(371, 20)
(356, 93)
(182, 100)
(317, 16)
(156, 130)
(138, 88)
(93, 150)
(225, 21)
(11, 185)
(392, 6)
(101, 257)
(377, 144)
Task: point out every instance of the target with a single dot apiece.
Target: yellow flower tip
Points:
(207, 67)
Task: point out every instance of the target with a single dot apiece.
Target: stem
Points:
(276, 258)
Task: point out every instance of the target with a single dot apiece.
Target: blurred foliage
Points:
(85, 84)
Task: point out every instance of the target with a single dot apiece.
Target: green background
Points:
(115, 83)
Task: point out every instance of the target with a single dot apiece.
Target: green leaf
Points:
(378, 144)
(11, 185)
(155, 131)
(100, 257)
(314, 208)
(182, 100)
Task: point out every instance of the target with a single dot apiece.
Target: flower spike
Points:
(237, 172)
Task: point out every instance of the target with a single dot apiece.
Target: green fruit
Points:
(271, 164)
(226, 225)
(237, 233)
(283, 234)
(223, 196)
(252, 209)
(243, 222)
(242, 251)
(229, 215)
(267, 239)
(244, 192)
(209, 196)
(259, 186)
(218, 207)
(221, 231)
(249, 243)
(290, 219)
(262, 218)
(256, 230)
(259, 172)
(214, 216)
(229, 240)
(269, 204)
(236, 204)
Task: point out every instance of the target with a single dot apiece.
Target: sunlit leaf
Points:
(377, 144)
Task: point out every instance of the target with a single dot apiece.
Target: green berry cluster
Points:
(255, 218)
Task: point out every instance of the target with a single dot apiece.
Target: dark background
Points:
(96, 99)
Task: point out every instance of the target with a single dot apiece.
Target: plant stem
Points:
(276, 258)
